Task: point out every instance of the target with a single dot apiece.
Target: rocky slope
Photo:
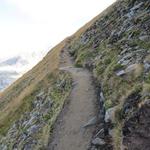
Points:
(115, 47)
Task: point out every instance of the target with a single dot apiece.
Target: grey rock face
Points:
(120, 73)
(110, 115)
(136, 128)
(147, 67)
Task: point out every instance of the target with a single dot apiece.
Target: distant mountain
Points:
(6, 78)
(12, 68)
(13, 61)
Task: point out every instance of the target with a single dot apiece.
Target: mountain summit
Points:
(90, 92)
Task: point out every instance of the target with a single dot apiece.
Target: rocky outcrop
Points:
(136, 128)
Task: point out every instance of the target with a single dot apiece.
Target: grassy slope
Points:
(11, 100)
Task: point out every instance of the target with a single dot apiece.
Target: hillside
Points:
(114, 48)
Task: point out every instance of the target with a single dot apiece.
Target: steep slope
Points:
(115, 47)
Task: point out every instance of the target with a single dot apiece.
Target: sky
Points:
(37, 25)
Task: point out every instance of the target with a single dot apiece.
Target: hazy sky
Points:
(37, 25)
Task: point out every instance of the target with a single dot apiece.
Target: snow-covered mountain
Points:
(12, 68)
(13, 61)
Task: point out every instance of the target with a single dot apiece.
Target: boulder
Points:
(120, 73)
(98, 141)
(110, 114)
(147, 63)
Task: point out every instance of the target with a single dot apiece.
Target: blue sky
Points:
(37, 25)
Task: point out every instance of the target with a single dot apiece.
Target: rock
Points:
(33, 129)
(101, 107)
(130, 15)
(146, 66)
(3, 147)
(27, 147)
(100, 133)
(84, 39)
(46, 104)
(124, 61)
(136, 128)
(147, 63)
(91, 122)
(31, 121)
(130, 103)
(144, 38)
(137, 6)
(41, 96)
(120, 73)
(93, 148)
(124, 51)
(102, 98)
(110, 115)
(98, 141)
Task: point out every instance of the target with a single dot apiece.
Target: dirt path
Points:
(69, 133)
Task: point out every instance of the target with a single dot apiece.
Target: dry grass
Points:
(11, 99)
(146, 89)
(117, 137)
(147, 59)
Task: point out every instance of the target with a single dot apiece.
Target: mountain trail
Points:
(69, 132)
